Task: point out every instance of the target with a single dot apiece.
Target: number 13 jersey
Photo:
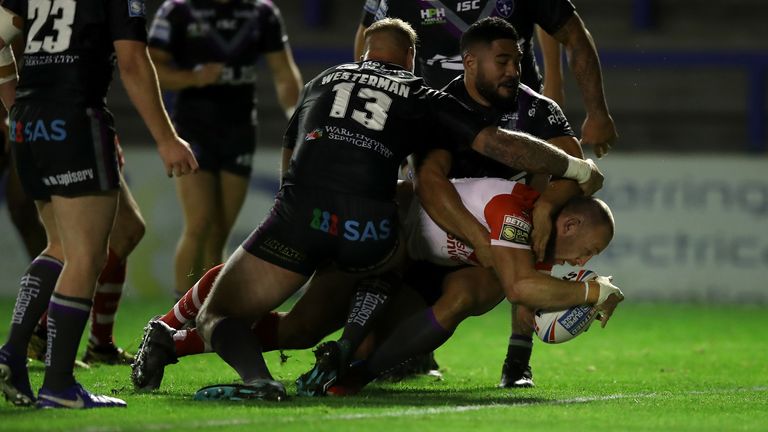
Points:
(69, 54)
(356, 122)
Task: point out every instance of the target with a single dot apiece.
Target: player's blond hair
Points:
(403, 34)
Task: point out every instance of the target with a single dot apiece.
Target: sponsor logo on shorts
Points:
(515, 230)
(457, 250)
(68, 178)
(276, 248)
(352, 230)
(38, 130)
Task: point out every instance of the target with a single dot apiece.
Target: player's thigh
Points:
(467, 292)
(249, 287)
(322, 307)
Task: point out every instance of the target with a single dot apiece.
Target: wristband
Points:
(578, 170)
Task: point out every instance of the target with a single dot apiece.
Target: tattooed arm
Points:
(528, 153)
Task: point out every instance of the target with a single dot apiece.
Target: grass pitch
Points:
(656, 367)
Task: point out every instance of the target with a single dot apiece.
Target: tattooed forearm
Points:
(584, 63)
(522, 151)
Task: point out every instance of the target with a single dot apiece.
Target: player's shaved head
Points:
(390, 40)
(593, 210)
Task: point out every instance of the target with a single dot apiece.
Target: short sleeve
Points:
(509, 218)
(127, 20)
(292, 132)
(550, 121)
(453, 124)
(274, 36)
(161, 31)
(552, 15)
(372, 12)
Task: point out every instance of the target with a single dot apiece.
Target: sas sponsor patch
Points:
(515, 230)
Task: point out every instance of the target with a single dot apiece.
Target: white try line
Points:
(423, 411)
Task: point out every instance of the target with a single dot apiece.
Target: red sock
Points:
(266, 330)
(189, 305)
(189, 342)
(106, 299)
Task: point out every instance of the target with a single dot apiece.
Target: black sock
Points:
(233, 341)
(519, 350)
(37, 284)
(419, 334)
(370, 298)
(67, 317)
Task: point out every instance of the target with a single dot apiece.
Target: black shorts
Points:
(427, 278)
(64, 150)
(227, 147)
(308, 227)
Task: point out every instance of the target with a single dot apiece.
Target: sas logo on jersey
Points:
(431, 16)
(38, 131)
(505, 7)
(136, 8)
(315, 134)
(328, 222)
(515, 230)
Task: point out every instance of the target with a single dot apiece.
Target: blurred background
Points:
(686, 83)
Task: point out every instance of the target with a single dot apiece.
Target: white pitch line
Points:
(415, 412)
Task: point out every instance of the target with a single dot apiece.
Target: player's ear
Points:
(571, 225)
(409, 61)
(469, 60)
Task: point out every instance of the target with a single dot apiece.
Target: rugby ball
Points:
(562, 326)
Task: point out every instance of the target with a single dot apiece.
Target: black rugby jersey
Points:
(356, 122)
(69, 54)
(536, 115)
(234, 32)
(440, 24)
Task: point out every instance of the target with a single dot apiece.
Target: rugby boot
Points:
(327, 368)
(423, 364)
(76, 397)
(156, 351)
(258, 389)
(516, 375)
(107, 354)
(14, 378)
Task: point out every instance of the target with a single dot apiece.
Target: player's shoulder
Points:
(529, 100)
(264, 6)
(173, 6)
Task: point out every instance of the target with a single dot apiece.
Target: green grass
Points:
(656, 367)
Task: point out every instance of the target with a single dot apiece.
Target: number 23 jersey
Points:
(69, 54)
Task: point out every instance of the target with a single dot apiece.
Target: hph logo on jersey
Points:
(432, 16)
(353, 230)
(38, 131)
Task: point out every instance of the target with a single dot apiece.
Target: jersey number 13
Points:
(376, 107)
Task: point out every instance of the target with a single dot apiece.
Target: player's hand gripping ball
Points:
(562, 326)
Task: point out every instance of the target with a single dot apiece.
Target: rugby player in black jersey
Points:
(354, 125)
(207, 51)
(440, 24)
(64, 144)
(491, 87)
